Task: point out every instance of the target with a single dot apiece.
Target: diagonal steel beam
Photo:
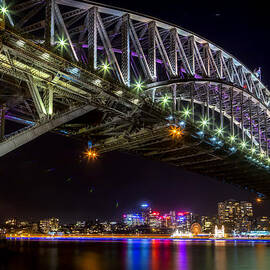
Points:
(29, 15)
(13, 142)
(39, 105)
(64, 28)
(108, 48)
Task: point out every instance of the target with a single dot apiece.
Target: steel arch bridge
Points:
(121, 80)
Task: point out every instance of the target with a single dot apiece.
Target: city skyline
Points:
(232, 218)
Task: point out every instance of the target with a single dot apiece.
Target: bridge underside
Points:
(138, 76)
(194, 153)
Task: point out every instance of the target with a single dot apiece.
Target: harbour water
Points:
(134, 254)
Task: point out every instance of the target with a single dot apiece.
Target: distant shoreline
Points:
(40, 237)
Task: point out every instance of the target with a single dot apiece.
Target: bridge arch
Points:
(245, 116)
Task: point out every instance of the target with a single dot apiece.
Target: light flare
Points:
(258, 200)
(165, 100)
(4, 10)
(91, 154)
(176, 132)
(219, 131)
(186, 112)
(105, 67)
(138, 86)
(62, 43)
(204, 122)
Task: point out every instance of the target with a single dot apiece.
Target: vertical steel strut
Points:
(92, 37)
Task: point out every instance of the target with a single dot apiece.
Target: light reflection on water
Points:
(134, 254)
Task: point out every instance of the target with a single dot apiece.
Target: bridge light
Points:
(170, 118)
(186, 112)
(91, 154)
(4, 10)
(62, 43)
(135, 101)
(200, 133)
(204, 122)
(262, 155)
(138, 86)
(243, 144)
(253, 150)
(182, 123)
(219, 131)
(176, 132)
(105, 66)
(258, 200)
(165, 100)
(232, 138)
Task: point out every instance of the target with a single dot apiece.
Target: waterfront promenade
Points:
(43, 237)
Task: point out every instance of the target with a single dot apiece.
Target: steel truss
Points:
(172, 63)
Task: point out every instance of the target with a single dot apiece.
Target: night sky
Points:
(47, 177)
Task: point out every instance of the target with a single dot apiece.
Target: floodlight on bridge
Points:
(233, 149)
(204, 122)
(165, 101)
(176, 132)
(138, 86)
(182, 124)
(105, 67)
(62, 43)
(91, 154)
(4, 10)
(220, 131)
(186, 112)
(232, 139)
(243, 144)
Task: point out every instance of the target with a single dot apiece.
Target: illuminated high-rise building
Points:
(208, 224)
(235, 215)
(50, 225)
(263, 223)
(184, 221)
(155, 219)
(133, 220)
(11, 222)
(145, 212)
(246, 209)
